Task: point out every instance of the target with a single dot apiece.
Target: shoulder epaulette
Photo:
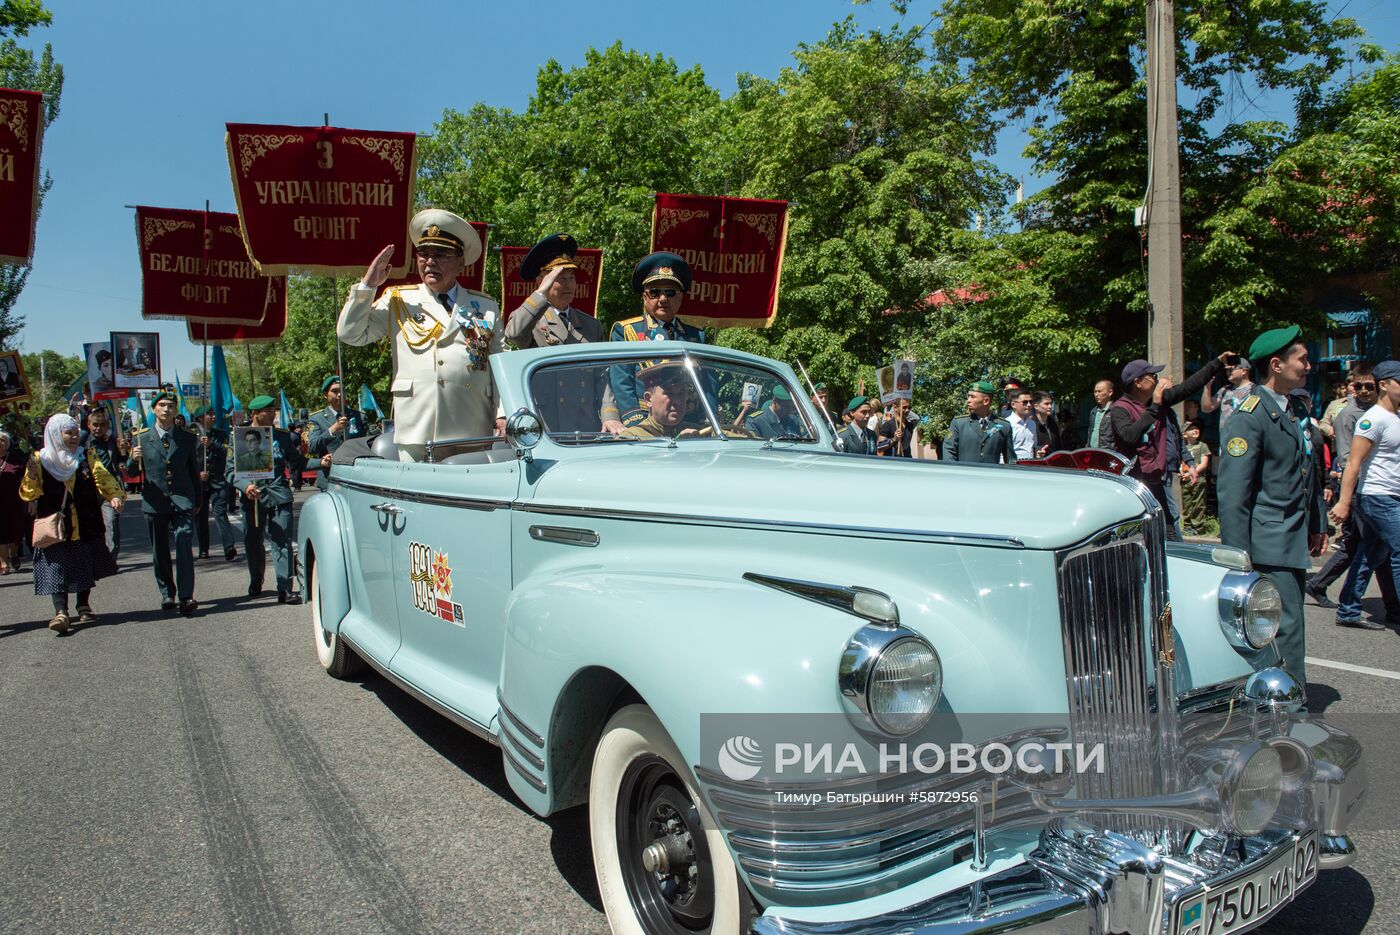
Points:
(1249, 403)
(482, 295)
(141, 430)
(629, 331)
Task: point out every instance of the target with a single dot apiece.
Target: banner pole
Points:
(339, 366)
(252, 383)
(206, 390)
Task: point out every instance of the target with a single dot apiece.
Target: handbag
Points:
(48, 530)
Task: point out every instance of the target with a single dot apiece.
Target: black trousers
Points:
(1169, 512)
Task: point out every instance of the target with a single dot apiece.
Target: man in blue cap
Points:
(267, 511)
(779, 419)
(168, 460)
(981, 436)
(662, 279)
(1270, 501)
(1140, 423)
(332, 427)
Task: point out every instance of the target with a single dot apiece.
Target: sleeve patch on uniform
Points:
(1247, 406)
(1237, 446)
(1364, 424)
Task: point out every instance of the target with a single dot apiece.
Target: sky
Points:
(149, 86)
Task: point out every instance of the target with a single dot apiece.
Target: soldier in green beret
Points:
(168, 459)
(981, 436)
(856, 437)
(213, 458)
(779, 419)
(267, 511)
(332, 427)
(1270, 500)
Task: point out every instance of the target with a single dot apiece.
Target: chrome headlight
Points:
(1254, 790)
(1251, 609)
(892, 677)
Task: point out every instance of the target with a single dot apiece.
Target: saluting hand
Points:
(378, 270)
(549, 279)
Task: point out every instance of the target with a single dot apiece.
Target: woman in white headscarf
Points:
(66, 479)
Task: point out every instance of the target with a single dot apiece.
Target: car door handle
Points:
(386, 508)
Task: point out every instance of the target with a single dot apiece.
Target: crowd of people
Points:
(1252, 461)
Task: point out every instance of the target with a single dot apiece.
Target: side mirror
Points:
(524, 431)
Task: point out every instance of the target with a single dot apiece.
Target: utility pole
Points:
(1164, 320)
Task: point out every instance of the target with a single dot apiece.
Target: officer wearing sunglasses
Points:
(662, 280)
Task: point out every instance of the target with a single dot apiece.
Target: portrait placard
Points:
(322, 200)
(252, 454)
(752, 393)
(903, 379)
(21, 136)
(515, 290)
(13, 385)
(137, 358)
(101, 371)
(735, 250)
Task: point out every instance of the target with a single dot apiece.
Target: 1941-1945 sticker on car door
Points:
(432, 583)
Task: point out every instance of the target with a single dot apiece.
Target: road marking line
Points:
(1364, 670)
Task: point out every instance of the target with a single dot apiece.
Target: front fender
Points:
(1205, 656)
(321, 539)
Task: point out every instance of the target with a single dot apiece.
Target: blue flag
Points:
(368, 402)
(221, 398)
(180, 398)
(286, 409)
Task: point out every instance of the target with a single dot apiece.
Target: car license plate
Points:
(1248, 899)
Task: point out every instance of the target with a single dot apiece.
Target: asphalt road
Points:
(169, 775)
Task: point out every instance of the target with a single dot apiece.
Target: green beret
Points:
(260, 402)
(329, 381)
(200, 412)
(165, 394)
(1271, 342)
(819, 386)
(856, 403)
(781, 392)
(983, 386)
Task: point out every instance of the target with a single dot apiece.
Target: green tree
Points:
(1074, 70)
(50, 381)
(306, 353)
(20, 69)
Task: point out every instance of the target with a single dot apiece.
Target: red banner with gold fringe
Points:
(515, 290)
(735, 250)
(322, 200)
(270, 329)
(473, 277)
(21, 136)
(195, 266)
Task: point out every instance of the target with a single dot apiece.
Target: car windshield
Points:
(671, 397)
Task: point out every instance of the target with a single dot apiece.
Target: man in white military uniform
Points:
(442, 333)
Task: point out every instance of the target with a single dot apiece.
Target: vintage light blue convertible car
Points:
(585, 603)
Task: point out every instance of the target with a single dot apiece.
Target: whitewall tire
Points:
(335, 657)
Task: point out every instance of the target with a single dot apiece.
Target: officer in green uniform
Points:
(333, 427)
(213, 458)
(267, 511)
(779, 418)
(981, 436)
(662, 280)
(168, 458)
(856, 438)
(666, 395)
(1270, 501)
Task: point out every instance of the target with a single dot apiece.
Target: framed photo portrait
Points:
(101, 371)
(252, 454)
(136, 355)
(13, 385)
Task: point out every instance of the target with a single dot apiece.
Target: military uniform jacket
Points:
(858, 440)
(969, 441)
(322, 441)
(171, 468)
(441, 389)
(536, 324)
(626, 388)
(768, 424)
(275, 490)
(1270, 500)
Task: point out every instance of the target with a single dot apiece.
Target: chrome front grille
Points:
(1116, 629)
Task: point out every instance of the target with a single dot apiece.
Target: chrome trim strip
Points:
(565, 535)
(522, 772)
(456, 717)
(836, 596)
(825, 529)
(467, 503)
(517, 723)
(533, 758)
